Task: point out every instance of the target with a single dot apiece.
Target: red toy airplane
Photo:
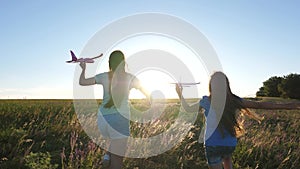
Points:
(86, 60)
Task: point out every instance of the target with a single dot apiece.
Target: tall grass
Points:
(47, 134)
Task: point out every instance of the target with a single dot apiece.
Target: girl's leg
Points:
(217, 166)
(118, 130)
(116, 162)
(227, 162)
(119, 146)
(106, 157)
(213, 158)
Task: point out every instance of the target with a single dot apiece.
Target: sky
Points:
(254, 40)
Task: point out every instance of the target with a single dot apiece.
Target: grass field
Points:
(46, 134)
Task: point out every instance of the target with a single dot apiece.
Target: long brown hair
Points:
(117, 69)
(229, 120)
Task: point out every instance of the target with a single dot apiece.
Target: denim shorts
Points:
(113, 126)
(215, 154)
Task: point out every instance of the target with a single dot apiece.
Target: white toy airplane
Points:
(186, 84)
(86, 60)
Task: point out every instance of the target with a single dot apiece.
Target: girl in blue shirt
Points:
(221, 109)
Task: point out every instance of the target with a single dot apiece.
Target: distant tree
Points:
(261, 92)
(270, 87)
(290, 86)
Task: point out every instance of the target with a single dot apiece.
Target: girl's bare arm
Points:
(270, 105)
(146, 93)
(85, 81)
(187, 107)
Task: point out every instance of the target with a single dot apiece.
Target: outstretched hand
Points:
(82, 65)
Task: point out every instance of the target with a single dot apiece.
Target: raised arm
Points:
(185, 105)
(137, 85)
(146, 93)
(270, 105)
(85, 81)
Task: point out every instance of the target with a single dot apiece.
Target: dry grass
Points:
(51, 126)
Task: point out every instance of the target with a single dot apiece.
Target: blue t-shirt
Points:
(213, 136)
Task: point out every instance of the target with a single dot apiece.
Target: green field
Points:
(46, 134)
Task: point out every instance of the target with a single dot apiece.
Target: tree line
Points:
(287, 87)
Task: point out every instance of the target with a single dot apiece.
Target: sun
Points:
(157, 82)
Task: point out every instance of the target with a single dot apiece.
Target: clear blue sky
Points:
(254, 39)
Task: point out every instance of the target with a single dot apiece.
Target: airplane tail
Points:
(74, 58)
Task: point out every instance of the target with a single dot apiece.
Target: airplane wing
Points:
(88, 60)
(97, 56)
(187, 84)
